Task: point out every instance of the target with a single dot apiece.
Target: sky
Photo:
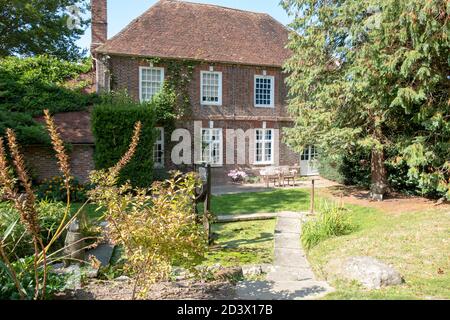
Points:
(122, 12)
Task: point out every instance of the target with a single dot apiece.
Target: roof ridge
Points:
(131, 23)
(215, 6)
(238, 39)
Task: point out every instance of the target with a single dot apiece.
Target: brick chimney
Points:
(99, 9)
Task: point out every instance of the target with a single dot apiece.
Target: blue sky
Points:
(122, 12)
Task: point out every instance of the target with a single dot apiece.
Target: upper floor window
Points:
(158, 149)
(150, 82)
(211, 88)
(264, 146)
(264, 91)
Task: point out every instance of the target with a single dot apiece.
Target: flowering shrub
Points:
(54, 189)
(237, 175)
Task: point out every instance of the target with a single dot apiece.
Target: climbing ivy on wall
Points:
(179, 74)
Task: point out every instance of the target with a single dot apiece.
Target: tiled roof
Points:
(74, 127)
(184, 30)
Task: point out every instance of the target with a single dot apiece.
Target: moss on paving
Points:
(241, 243)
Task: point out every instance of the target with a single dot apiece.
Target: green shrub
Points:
(330, 222)
(112, 124)
(330, 168)
(26, 277)
(50, 216)
(53, 189)
(30, 85)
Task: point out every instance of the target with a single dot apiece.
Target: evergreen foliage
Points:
(374, 74)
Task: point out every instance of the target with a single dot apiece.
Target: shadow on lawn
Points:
(234, 244)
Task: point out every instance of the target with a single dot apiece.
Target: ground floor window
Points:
(158, 149)
(264, 146)
(212, 146)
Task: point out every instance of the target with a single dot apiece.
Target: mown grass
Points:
(417, 244)
(270, 201)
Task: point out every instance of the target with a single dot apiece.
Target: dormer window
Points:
(211, 88)
(264, 91)
(150, 82)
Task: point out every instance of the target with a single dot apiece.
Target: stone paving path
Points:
(291, 277)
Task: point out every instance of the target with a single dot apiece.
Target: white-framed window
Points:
(151, 80)
(264, 146)
(212, 146)
(310, 153)
(211, 88)
(264, 91)
(158, 149)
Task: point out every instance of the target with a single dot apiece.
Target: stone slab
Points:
(245, 217)
(288, 225)
(285, 290)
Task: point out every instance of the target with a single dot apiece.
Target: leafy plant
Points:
(24, 271)
(54, 189)
(154, 230)
(17, 245)
(33, 27)
(24, 201)
(330, 222)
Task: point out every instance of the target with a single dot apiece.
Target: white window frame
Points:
(220, 141)
(159, 142)
(209, 103)
(263, 142)
(272, 92)
(140, 79)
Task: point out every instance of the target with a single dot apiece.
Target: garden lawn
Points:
(417, 244)
(242, 243)
(270, 201)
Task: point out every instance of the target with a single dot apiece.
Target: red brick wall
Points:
(237, 88)
(236, 112)
(42, 163)
(99, 22)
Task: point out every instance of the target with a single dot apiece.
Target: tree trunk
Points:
(379, 185)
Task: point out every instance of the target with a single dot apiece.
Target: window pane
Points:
(210, 87)
(263, 91)
(211, 144)
(151, 82)
(158, 149)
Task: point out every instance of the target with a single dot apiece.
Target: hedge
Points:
(112, 125)
(30, 85)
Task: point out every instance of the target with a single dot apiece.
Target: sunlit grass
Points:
(241, 243)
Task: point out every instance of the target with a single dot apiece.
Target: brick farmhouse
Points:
(237, 87)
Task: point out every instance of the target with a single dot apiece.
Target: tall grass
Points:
(332, 221)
